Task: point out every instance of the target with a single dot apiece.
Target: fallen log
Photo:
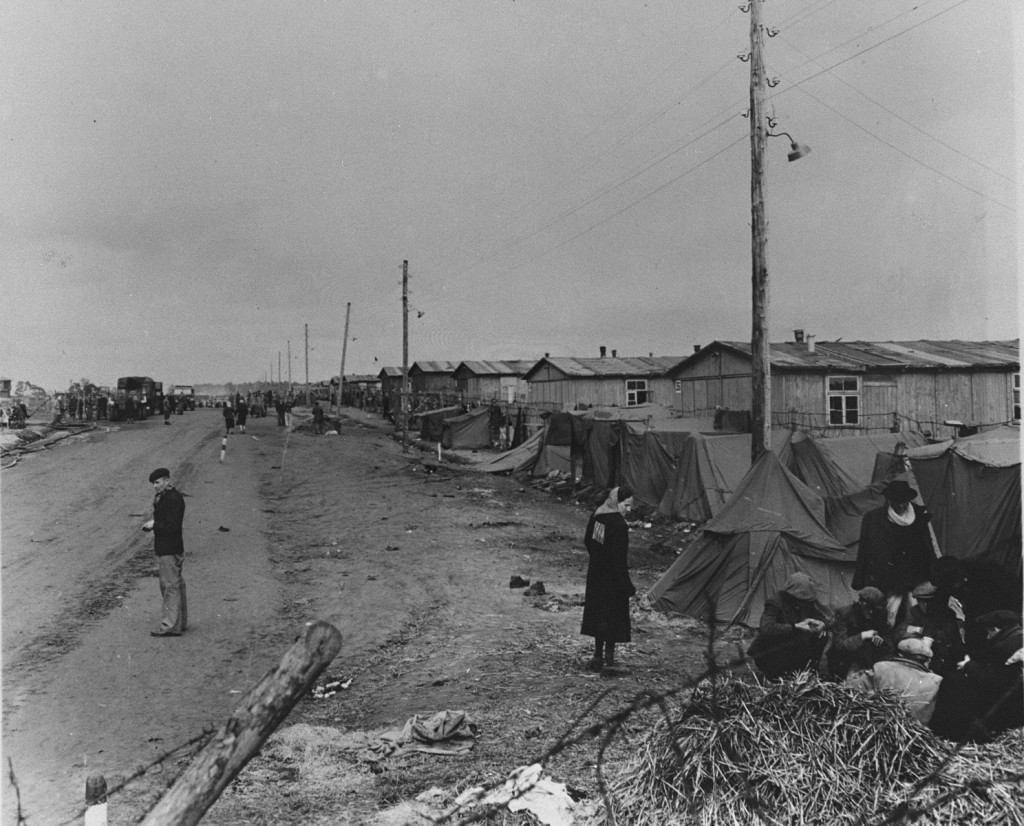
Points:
(260, 712)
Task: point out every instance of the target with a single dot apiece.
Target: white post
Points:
(223, 447)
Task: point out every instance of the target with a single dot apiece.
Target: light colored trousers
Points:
(174, 616)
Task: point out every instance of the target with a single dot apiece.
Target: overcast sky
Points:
(187, 184)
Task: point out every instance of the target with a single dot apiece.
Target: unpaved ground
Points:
(410, 560)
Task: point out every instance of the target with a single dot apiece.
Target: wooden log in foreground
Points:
(255, 719)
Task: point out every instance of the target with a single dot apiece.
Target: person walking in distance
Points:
(229, 418)
(241, 414)
(169, 546)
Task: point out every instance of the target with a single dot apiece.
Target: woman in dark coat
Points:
(895, 551)
(229, 418)
(606, 605)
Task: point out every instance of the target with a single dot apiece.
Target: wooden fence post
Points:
(260, 712)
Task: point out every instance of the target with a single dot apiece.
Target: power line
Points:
(914, 126)
(893, 146)
(797, 84)
(628, 206)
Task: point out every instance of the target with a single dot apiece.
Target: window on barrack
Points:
(636, 392)
(843, 400)
(1016, 397)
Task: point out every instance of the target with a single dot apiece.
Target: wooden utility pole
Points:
(253, 721)
(344, 348)
(289, 365)
(278, 366)
(761, 380)
(307, 363)
(405, 355)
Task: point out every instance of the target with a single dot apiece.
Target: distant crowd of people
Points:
(239, 408)
(944, 634)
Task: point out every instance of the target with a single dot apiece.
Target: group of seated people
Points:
(962, 675)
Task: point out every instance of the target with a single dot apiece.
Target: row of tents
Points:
(798, 508)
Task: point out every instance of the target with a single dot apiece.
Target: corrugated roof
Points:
(433, 367)
(645, 366)
(496, 368)
(861, 356)
(391, 372)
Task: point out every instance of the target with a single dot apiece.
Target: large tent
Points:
(709, 469)
(772, 526)
(846, 474)
(432, 422)
(469, 431)
(972, 489)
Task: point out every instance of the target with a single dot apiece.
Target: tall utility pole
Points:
(278, 366)
(761, 379)
(307, 363)
(289, 365)
(344, 348)
(405, 355)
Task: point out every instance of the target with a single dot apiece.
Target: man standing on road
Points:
(168, 515)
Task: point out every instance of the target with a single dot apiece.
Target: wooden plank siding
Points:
(551, 388)
(925, 399)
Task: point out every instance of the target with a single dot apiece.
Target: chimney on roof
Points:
(547, 355)
(615, 354)
(603, 351)
(798, 336)
(810, 344)
(650, 355)
(696, 348)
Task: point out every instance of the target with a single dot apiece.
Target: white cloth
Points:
(903, 520)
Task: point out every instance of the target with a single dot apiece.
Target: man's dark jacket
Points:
(891, 557)
(168, 515)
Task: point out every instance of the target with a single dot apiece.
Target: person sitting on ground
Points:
(977, 586)
(609, 587)
(907, 675)
(860, 635)
(895, 550)
(984, 696)
(793, 631)
(931, 619)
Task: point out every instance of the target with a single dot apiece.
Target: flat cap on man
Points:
(924, 591)
(870, 595)
(915, 647)
(999, 619)
(800, 586)
(159, 473)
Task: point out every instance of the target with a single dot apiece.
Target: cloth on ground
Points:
(446, 732)
(526, 790)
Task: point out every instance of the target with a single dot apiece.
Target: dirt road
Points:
(411, 561)
(86, 688)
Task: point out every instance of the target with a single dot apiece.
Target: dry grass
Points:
(805, 751)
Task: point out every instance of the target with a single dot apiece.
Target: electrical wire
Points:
(893, 146)
(913, 126)
(628, 206)
(797, 84)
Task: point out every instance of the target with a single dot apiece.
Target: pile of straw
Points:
(805, 751)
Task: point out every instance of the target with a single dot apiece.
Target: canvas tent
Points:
(468, 431)
(773, 526)
(972, 489)
(432, 422)
(709, 469)
(846, 474)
